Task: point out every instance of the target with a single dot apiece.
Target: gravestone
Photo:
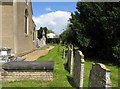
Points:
(69, 59)
(63, 53)
(99, 76)
(68, 55)
(78, 69)
(6, 56)
(5, 51)
(70, 62)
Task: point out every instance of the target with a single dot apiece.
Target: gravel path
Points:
(36, 54)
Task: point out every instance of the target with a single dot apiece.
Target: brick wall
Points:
(23, 75)
(26, 70)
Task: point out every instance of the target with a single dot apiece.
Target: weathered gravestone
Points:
(6, 56)
(27, 70)
(78, 69)
(68, 55)
(71, 61)
(99, 76)
(5, 53)
(63, 53)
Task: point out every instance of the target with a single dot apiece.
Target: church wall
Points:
(7, 34)
(12, 33)
(24, 42)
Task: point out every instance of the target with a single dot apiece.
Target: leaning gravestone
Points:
(99, 76)
(70, 61)
(78, 69)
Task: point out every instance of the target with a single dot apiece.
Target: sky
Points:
(53, 15)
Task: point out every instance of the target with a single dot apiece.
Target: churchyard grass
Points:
(60, 78)
(61, 75)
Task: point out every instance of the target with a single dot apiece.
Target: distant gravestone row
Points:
(99, 75)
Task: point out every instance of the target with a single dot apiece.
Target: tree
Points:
(50, 31)
(96, 27)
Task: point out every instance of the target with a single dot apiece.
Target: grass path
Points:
(60, 74)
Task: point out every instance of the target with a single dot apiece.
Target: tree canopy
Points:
(95, 26)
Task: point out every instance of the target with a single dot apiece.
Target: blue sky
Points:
(40, 7)
(53, 15)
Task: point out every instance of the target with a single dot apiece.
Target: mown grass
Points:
(61, 76)
(113, 75)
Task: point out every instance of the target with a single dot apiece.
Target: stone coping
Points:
(4, 49)
(28, 65)
(102, 66)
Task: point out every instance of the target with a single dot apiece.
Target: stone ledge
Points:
(28, 65)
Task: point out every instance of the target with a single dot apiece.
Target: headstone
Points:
(6, 56)
(99, 76)
(5, 51)
(63, 53)
(68, 55)
(78, 69)
(71, 61)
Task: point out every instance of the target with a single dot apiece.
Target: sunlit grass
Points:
(61, 75)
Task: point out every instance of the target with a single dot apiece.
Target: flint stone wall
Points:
(78, 69)
(99, 76)
(22, 71)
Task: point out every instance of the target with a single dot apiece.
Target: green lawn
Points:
(61, 76)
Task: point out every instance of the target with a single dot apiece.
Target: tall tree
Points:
(96, 26)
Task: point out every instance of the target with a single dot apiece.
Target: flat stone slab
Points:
(28, 65)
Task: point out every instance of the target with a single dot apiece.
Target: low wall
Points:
(22, 71)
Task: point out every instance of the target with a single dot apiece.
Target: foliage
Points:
(67, 36)
(50, 31)
(60, 74)
(95, 26)
(116, 51)
(53, 40)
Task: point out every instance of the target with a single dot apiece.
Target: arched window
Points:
(26, 21)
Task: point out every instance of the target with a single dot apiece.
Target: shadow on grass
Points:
(71, 81)
(66, 67)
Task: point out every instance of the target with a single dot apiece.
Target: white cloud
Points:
(56, 21)
(48, 9)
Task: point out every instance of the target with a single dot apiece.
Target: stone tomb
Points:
(27, 70)
(99, 76)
